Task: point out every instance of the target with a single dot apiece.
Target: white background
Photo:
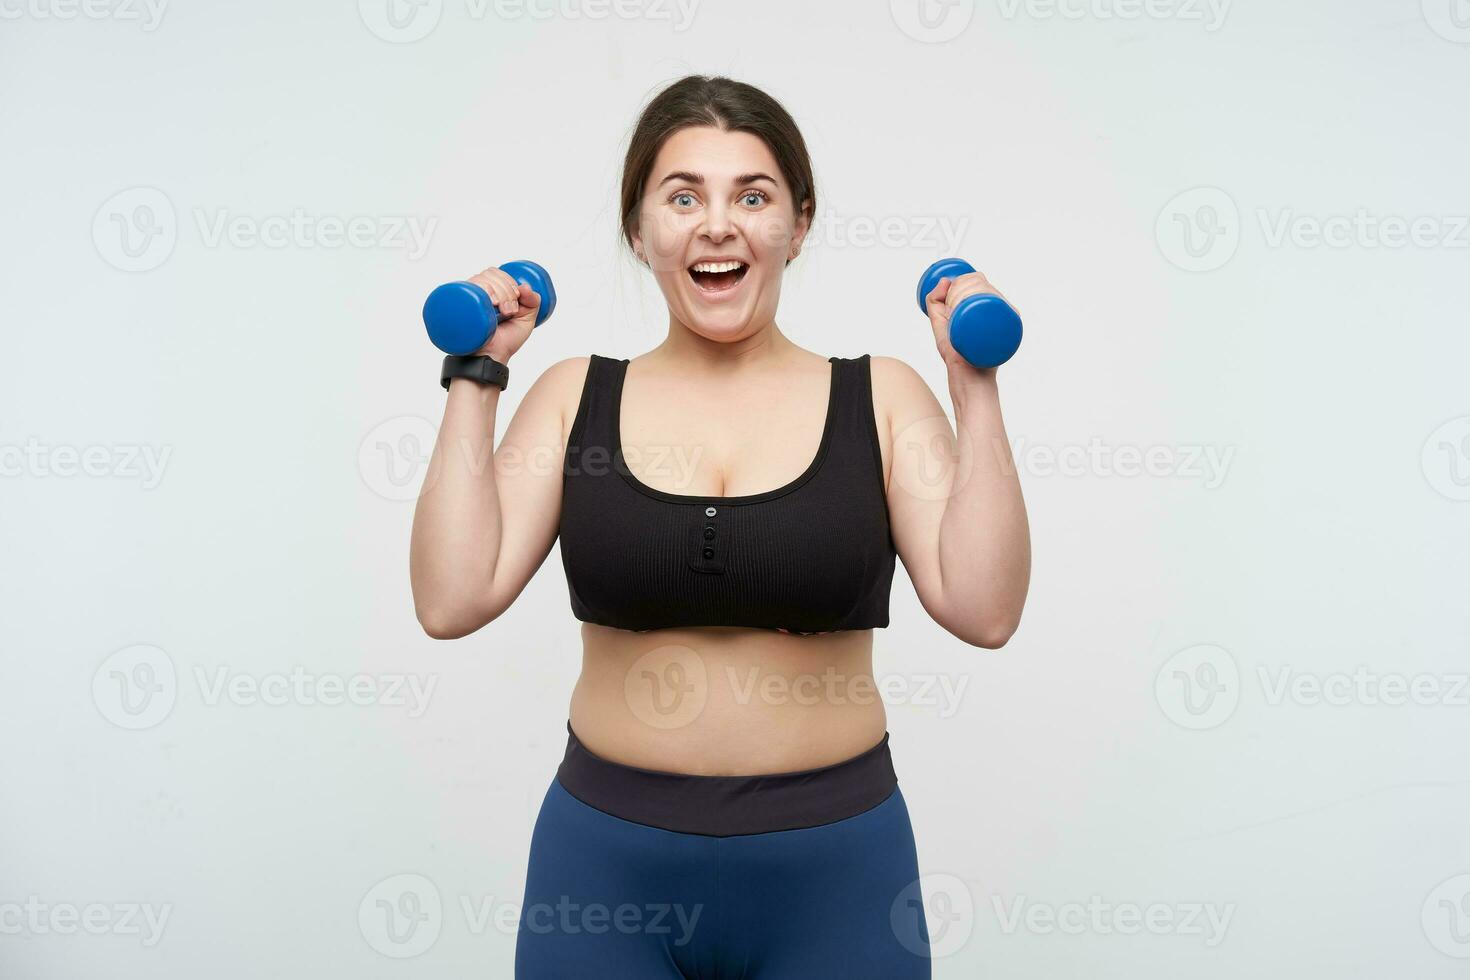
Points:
(1131, 743)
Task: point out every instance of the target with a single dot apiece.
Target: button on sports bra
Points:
(813, 556)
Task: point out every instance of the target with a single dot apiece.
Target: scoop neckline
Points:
(621, 465)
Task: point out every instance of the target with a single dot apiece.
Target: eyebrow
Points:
(694, 178)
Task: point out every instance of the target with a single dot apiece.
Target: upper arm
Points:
(528, 476)
(919, 444)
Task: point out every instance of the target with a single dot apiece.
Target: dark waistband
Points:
(722, 806)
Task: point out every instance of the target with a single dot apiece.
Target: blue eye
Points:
(761, 197)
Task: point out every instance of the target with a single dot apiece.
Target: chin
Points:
(719, 333)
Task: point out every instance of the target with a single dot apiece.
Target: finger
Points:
(488, 282)
(977, 285)
(511, 290)
(937, 300)
(502, 289)
(971, 284)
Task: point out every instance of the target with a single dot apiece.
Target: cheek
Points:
(768, 234)
(665, 240)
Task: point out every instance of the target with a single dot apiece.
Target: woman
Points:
(729, 506)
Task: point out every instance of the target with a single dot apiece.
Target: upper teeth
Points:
(717, 266)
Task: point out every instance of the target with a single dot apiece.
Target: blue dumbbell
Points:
(461, 317)
(982, 328)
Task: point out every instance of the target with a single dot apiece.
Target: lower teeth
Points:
(715, 282)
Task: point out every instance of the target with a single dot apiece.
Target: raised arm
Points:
(481, 531)
(954, 501)
(487, 516)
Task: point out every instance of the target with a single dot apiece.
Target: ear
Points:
(803, 225)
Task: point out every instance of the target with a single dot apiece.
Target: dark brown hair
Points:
(705, 100)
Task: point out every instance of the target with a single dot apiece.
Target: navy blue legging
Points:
(606, 897)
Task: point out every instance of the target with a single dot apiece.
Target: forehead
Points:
(720, 155)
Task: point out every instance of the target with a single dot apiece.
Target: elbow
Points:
(449, 624)
(439, 629)
(993, 635)
(991, 639)
(988, 628)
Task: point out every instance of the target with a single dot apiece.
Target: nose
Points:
(716, 226)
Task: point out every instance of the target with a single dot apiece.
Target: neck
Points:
(686, 347)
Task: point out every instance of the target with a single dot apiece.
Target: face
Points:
(716, 225)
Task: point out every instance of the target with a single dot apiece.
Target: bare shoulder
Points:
(566, 375)
(900, 393)
(559, 388)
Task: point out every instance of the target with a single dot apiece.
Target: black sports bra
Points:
(813, 556)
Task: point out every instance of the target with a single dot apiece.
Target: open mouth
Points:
(717, 277)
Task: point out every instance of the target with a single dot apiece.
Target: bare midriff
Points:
(721, 701)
